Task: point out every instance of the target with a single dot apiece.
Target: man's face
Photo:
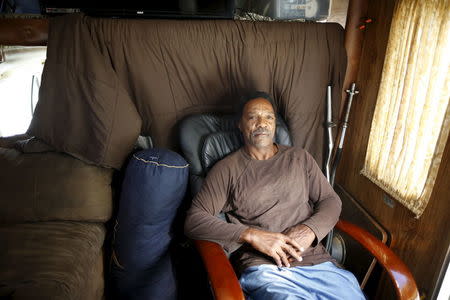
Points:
(257, 123)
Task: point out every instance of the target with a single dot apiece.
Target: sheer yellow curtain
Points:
(412, 116)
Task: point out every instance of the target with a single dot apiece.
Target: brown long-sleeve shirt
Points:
(273, 195)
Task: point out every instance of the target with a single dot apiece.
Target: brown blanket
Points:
(105, 80)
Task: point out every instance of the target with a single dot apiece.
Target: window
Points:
(412, 116)
(444, 289)
(20, 76)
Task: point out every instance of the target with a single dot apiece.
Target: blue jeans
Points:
(322, 281)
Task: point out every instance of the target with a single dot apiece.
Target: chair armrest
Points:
(405, 285)
(224, 282)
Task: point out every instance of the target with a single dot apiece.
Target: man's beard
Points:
(263, 141)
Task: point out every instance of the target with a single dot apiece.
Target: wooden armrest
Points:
(404, 282)
(226, 285)
(224, 282)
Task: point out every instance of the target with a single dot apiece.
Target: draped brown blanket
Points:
(106, 81)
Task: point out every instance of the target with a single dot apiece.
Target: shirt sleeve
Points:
(201, 221)
(326, 203)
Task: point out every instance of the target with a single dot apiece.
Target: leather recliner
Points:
(207, 138)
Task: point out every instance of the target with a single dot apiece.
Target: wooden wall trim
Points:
(23, 32)
(354, 37)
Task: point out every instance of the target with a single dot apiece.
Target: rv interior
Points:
(112, 115)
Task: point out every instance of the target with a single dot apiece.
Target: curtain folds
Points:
(412, 117)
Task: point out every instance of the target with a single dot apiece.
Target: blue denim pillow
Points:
(153, 188)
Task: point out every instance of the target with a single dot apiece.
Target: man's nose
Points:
(261, 122)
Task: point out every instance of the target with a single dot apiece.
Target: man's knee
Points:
(269, 282)
(323, 281)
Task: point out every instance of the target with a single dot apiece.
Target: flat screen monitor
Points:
(143, 9)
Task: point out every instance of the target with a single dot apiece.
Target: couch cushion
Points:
(51, 260)
(52, 186)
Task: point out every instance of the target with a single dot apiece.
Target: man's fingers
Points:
(292, 252)
(295, 244)
(277, 259)
(284, 258)
(279, 246)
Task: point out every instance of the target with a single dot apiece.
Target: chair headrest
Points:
(218, 145)
(207, 138)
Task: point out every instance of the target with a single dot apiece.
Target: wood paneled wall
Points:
(23, 32)
(420, 243)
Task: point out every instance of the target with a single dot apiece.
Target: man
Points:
(279, 206)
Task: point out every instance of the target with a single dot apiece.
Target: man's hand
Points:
(276, 245)
(301, 234)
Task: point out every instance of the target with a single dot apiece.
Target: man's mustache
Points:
(260, 131)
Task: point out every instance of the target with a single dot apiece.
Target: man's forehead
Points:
(258, 103)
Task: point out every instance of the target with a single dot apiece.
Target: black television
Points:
(198, 9)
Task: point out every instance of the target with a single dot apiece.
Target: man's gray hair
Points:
(250, 96)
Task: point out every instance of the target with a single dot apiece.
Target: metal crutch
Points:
(338, 154)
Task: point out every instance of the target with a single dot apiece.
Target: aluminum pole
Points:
(330, 126)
